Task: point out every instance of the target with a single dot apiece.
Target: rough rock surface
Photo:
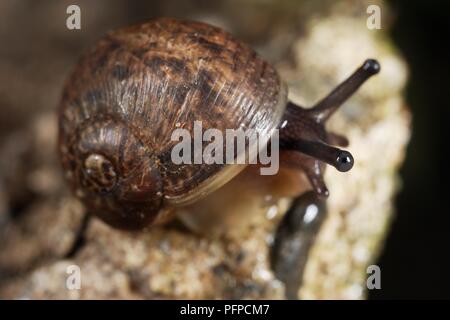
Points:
(219, 248)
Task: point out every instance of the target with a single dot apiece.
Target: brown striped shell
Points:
(127, 95)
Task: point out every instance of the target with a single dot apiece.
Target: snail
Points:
(125, 97)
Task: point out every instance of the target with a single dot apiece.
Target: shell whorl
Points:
(114, 173)
(157, 76)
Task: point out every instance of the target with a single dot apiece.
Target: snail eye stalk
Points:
(323, 110)
(340, 159)
(304, 130)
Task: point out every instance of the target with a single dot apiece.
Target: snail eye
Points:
(100, 171)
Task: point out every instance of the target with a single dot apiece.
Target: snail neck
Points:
(300, 131)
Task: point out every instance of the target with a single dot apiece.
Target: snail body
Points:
(125, 97)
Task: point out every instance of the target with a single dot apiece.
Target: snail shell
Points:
(126, 96)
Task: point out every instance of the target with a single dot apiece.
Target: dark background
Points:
(416, 259)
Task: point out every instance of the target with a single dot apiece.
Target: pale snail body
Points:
(127, 95)
(125, 98)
